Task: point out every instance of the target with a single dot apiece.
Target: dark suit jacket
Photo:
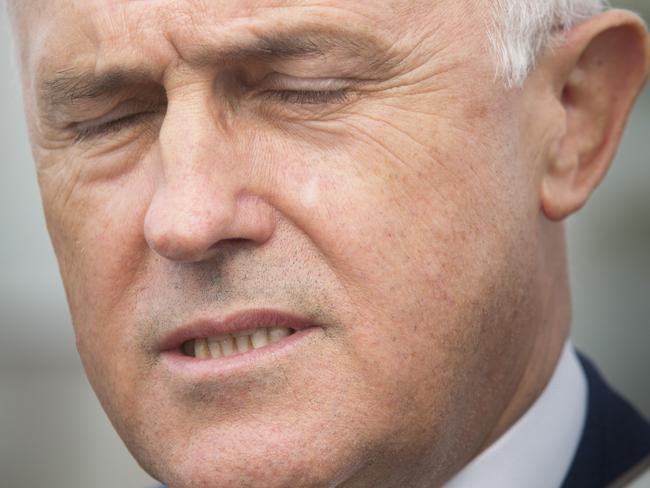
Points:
(614, 440)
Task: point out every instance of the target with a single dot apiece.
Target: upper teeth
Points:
(227, 345)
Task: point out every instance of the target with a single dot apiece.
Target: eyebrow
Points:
(68, 87)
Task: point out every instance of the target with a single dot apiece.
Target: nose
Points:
(187, 225)
(205, 196)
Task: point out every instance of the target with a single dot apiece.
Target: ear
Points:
(597, 72)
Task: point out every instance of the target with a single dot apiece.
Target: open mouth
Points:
(228, 345)
(215, 347)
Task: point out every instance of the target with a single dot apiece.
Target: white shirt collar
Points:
(537, 451)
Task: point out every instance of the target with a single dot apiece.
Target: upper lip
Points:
(236, 322)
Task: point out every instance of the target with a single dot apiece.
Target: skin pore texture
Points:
(353, 163)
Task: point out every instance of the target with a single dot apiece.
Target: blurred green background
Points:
(641, 6)
(52, 430)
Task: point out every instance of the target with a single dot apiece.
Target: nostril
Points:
(231, 244)
(234, 241)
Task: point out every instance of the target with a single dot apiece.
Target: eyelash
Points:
(308, 97)
(297, 97)
(111, 127)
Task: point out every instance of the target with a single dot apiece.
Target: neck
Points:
(551, 332)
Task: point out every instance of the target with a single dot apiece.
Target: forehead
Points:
(92, 31)
(67, 27)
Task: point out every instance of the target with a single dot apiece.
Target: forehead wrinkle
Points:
(270, 30)
(126, 19)
(188, 40)
(123, 21)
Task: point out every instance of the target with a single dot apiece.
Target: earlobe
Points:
(600, 70)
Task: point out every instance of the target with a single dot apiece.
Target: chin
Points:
(236, 456)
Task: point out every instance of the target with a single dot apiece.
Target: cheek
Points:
(422, 244)
(97, 233)
(389, 228)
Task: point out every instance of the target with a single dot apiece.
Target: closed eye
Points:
(307, 97)
(110, 127)
(122, 117)
(282, 88)
(114, 123)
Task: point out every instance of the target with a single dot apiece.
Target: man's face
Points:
(352, 164)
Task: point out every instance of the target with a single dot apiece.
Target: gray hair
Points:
(523, 28)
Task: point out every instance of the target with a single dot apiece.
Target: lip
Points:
(232, 324)
(189, 368)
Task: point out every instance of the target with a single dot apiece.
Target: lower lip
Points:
(192, 367)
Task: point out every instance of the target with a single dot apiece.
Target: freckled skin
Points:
(406, 221)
